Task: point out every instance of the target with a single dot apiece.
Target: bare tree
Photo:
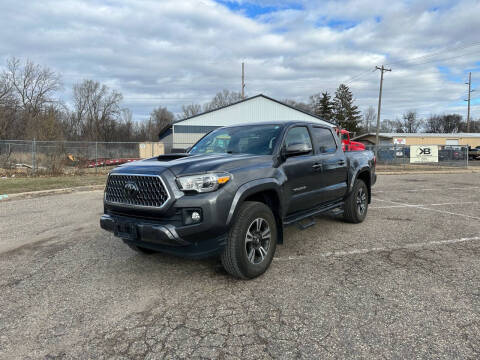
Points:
(34, 88)
(299, 105)
(7, 106)
(34, 85)
(6, 88)
(222, 98)
(409, 123)
(96, 110)
(161, 119)
(369, 117)
(190, 110)
(388, 126)
(449, 123)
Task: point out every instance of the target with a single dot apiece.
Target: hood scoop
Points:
(170, 157)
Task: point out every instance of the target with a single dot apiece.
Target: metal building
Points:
(259, 108)
(455, 139)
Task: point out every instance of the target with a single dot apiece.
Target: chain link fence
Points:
(414, 156)
(71, 157)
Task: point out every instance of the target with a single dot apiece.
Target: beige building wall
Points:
(150, 149)
(426, 140)
(440, 140)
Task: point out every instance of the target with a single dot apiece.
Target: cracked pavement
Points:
(403, 284)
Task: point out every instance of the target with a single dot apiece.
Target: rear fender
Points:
(364, 173)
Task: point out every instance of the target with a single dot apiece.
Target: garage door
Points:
(452, 142)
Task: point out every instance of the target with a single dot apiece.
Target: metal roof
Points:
(252, 109)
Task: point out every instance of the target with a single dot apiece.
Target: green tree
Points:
(346, 114)
(322, 106)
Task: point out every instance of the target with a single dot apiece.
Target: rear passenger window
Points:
(324, 140)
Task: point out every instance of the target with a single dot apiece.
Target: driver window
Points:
(298, 135)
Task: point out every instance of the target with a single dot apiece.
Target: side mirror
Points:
(297, 149)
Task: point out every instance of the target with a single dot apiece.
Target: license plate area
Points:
(125, 230)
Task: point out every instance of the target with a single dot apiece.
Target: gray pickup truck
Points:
(234, 191)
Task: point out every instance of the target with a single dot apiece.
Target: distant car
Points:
(451, 153)
(474, 153)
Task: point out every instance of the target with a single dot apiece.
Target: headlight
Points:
(203, 182)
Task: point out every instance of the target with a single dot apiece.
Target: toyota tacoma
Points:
(234, 191)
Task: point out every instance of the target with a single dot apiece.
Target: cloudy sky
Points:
(176, 52)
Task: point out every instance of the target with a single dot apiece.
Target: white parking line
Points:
(426, 189)
(379, 249)
(441, 204)
(425, 208)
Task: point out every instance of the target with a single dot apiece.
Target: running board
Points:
(335, 208)
(307, 225)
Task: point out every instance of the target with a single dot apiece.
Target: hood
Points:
(184, 164)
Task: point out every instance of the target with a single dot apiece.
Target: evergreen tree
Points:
(321, 105)
(346, 114)
(326, 107)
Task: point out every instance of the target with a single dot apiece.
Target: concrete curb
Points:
(413, 172)
(34, 194)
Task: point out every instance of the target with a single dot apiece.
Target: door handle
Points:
(317, 166)
(341, 162)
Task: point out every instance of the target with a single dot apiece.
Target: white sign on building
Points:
(423, 153)
(399, 141)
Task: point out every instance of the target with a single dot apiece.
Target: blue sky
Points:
(254, 9)
(173, 53)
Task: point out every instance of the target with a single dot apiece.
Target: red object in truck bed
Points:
(349, 145)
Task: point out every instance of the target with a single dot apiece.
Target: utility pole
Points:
(469, 83)
(243, 80)
(382, 70)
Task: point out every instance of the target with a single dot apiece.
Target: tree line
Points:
(31, 108)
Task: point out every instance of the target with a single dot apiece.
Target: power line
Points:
(434, 53)
(356, 77)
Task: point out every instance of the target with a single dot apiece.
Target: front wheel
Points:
(356, 205)
(252, 241)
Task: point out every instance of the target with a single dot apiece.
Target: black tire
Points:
(356, 205)
(140, 249)
(237, 258)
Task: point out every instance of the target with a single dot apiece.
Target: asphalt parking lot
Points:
(403, 284)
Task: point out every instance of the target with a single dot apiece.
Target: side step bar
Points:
(334, 208)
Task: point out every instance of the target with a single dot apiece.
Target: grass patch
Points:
(24, 184)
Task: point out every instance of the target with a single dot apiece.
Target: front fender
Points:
(251, 188)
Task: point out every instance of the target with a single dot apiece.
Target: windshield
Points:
(256, 140)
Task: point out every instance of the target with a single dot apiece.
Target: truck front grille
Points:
(136, 190)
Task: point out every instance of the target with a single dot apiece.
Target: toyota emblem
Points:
(131, 189)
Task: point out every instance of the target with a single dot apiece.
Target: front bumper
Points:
(162, 237)
(154, 233)
(166, 228)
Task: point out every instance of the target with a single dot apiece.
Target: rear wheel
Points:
(356, 205)
(140, 249)
(252, 241)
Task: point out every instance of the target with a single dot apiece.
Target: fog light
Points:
(192, 216)
(196, 216)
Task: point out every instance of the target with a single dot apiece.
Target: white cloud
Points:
(175, 52)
